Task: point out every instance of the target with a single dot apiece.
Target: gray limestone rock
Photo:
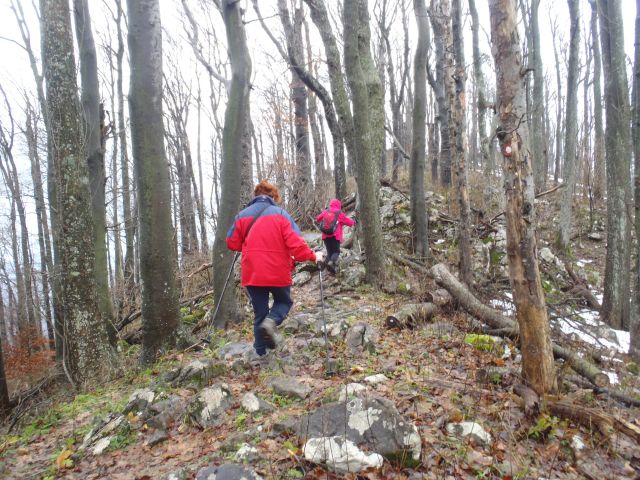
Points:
(197, 371)
(209, 406)
(235, 350)
(301, 278)
(166, 412)
(470, 429)
(139, 400)
(290, 387)
(362, 335)
(368, 422)
(253, 404)
(228, 471)
(246, 453)
(340, 455)
(157, 437)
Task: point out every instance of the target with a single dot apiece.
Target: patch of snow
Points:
(439, 241)
(572, 327)
(506, 306)
(507, 352)
(613, 377)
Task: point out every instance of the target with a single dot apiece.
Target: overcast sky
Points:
(268, 68)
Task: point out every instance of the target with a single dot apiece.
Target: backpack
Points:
(328, 224)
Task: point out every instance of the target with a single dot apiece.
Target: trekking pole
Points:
(327, 370)
(215, 312)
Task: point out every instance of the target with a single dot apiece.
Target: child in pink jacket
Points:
(331, 221)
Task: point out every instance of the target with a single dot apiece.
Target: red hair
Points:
(266, 188)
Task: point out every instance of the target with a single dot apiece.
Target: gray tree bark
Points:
(90, 98)
(635, 320)
(366, 161)
(599, 178)
(571, 132)
(419, 217)
(537, 354)
(440, 14)
(157, 245)
(235, 123)
(87, 351)
(320, 18)
(481, 101)
(537, 105)
(616, 299)
(458, 130)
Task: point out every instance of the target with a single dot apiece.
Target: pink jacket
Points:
(334, 206)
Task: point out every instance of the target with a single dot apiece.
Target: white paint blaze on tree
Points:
(157, 247)
(537, 356)
(87, 352)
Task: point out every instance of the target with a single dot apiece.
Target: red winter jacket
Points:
(272, 247)
(334, 206)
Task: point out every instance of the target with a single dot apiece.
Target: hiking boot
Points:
(331, 266)
(268, 331)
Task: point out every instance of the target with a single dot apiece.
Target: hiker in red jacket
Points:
(331, 221)
(271, 243)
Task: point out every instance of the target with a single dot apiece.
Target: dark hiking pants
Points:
(260, 300)
(333, 249)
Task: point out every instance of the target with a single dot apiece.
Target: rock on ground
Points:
(209, 405)
(228, 471)
(252, 403)
(340, 455)
(290, 387)
(362, 335)
(371, 422)
(470, 429)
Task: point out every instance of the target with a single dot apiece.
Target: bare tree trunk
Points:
(235, 123)
(559, 129)
(157, 244)
(44, 242)
(571, 133)
(481, 102)
(85, 337)
(616, 301)
(458, 130)
(419, 218)
(537, 355)
(375, 89)
(537, 104)
(320, 18)
(439, 14)
(127, 204)
(95, 156)
(5, 404)
(318, 152)
(366, 162)
(635, 320)
(599, 178)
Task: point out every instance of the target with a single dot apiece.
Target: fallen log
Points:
(440, 297)
(581, 289)
(587, 417)
(411, 315)
(496, 320)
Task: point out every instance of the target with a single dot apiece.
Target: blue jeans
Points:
(260, 300)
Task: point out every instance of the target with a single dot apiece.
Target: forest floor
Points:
(435, 375)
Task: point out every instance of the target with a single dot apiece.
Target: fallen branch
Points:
(496, 320)
(201, 268)
(541, 194)
(135, 315)
(582, 289)
(587, 417)
(411, 315)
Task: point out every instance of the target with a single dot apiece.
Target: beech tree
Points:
(616, 298)
(418, 144)
(235, 125)
(355, 30)
(537, 356)
(87, 351)
(92, 132)
(157, 244)
(571, 131)
(635, 320)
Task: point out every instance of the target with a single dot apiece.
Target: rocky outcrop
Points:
(209, 406)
